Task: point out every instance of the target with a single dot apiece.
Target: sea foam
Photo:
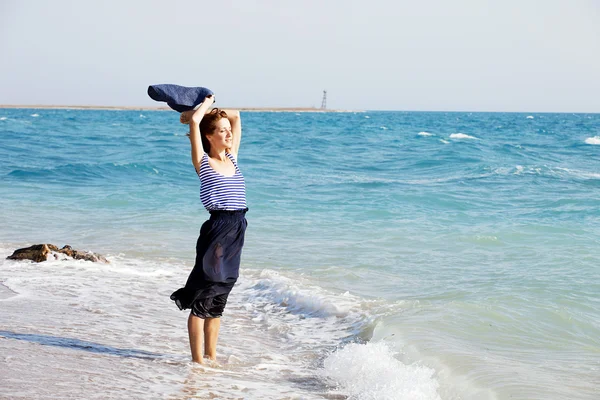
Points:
(462, 136)
(593, 140)
(294, 295)
(371, 372)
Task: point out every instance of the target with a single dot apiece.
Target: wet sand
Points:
(5, 292)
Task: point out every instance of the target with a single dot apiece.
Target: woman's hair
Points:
(208, 124)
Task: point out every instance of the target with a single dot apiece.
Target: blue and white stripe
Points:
(220, 192)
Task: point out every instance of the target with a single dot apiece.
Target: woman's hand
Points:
(187, 117)
(209, 100)
(203, 109)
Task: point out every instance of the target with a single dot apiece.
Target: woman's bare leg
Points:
(196, 326)
(211, 335)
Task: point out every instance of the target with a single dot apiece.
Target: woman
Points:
(215, 138)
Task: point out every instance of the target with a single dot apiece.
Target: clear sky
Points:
(475, 55)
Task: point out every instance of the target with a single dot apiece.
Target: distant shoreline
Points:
(256, 109)
(272, 109)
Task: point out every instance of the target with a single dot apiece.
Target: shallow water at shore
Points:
(457, 250)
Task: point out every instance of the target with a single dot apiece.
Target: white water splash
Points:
(462, 136)
(371, 372)
(593, 140)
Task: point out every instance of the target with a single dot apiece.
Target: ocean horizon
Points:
(279, 109)
(389, 255)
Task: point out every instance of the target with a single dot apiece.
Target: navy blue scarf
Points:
(179, 98)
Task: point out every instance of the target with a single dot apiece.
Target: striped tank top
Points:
(220, 192)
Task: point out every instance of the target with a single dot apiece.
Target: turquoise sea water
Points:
(392, 254)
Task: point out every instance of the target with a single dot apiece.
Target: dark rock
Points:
(40, 252)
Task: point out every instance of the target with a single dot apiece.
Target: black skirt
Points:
(218, 254)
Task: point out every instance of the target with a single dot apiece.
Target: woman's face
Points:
(221, 138)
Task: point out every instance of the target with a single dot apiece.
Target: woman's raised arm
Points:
(236, 129)
(194, 118)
